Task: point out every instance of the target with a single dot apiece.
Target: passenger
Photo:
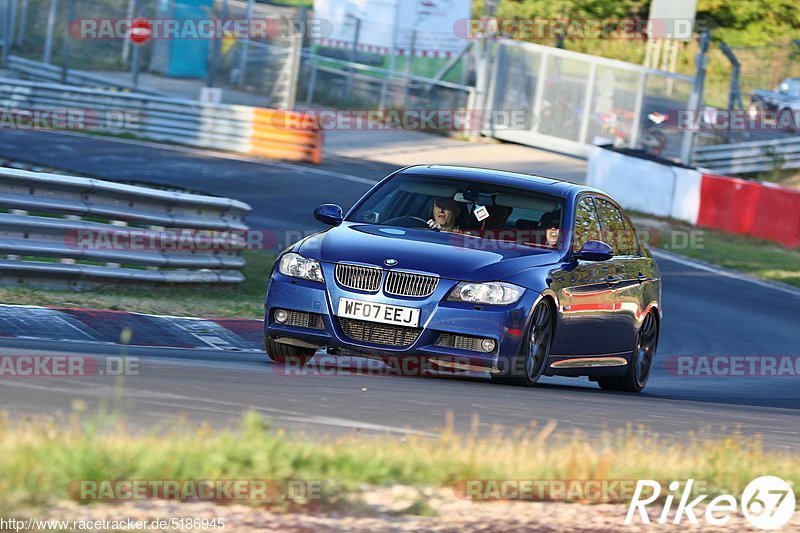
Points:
(550, 223)
(444, 214)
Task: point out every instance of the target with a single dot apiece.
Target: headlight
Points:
(297, 266)
(494, 293)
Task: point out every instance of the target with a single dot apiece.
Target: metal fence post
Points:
(295, 51)
(51, 24)
(409, 70)
(126, 44)
(637, 110)
(245, 47)
(216, 51)
(392, 59)
(587, 102)
(312, 83)
(12, 24)
(67, 42)
(137, 50)
(353, 57)
(6, 25)
(696, 99)
(23, 22)
(537, 99)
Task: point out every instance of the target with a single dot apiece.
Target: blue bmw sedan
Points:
(473, 270)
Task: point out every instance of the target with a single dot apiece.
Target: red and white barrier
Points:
(733, 205)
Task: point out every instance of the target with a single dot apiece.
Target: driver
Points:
(444, 214)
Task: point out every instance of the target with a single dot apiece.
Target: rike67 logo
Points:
(768, 502)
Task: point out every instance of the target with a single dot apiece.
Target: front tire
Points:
(531, 362)
(286, 354)
(641, 363)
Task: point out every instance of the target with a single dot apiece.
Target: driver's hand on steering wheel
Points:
(434, 225)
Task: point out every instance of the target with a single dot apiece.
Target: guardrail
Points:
(71, 230)
(235, 128)
(39, 70)
(751, 156)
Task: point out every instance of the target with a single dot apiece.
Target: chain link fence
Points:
(250, 69)
(570, 99)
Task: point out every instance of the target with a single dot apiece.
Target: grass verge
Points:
(42, 456)
(762, 259)
(243, 300)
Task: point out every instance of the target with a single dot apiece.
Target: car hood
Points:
(449, 255)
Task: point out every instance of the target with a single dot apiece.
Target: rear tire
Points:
(641, 364)
(287, 354)
(531, 362)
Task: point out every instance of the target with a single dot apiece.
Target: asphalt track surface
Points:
(707, 312)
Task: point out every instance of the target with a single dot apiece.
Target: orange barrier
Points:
(285, 135)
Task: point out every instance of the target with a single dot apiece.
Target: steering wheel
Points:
(408, 221)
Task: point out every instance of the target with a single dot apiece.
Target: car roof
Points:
(501, 177)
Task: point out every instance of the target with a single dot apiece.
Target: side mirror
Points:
(330, 214)
(594, 251)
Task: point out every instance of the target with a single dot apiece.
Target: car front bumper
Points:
(504, 324)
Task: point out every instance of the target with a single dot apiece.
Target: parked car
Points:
(785, 99)
(532, 277)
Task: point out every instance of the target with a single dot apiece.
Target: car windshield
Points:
(473, 208)
(791, 87)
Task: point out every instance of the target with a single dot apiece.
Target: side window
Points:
(630, 234)
(587, 226)
(615, 230)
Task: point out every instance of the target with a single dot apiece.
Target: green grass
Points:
(243, 300)
(759, 258)
(42, 456)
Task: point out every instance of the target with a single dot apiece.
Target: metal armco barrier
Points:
(44, 71)
(234, 128)
(751, 156)
(71, 230)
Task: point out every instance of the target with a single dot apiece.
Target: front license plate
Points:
(378, 312)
